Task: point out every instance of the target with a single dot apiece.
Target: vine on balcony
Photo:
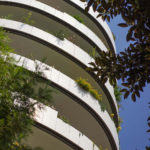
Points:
(61, 35)
(63, 118)
(9, 16)
(119, 124)
(28, 19)
(86, 86)
(101, 148)
(78, 18)
(93, 52)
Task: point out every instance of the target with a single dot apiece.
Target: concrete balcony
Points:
(94, 123)
(51, 132)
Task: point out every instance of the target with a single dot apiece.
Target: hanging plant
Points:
(86, 86)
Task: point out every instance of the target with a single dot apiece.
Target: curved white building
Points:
(48, 29)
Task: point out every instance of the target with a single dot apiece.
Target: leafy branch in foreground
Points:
(17, 86)
(132, 65)
(147, 148)
(131, 68)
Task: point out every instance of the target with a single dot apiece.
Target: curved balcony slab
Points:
(74, 52)
(62, 17)
(48, 121)
(102, 23)
(69, 85)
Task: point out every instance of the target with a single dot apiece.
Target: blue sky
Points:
(133, 135)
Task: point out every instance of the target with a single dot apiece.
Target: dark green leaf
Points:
(133, 97)
(123, 90)
(122, 25)
(126, 94)
(137, 93)
(148, 130)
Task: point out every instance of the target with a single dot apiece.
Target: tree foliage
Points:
(17, 86)
(117, 94)
(147, 148)
(132, 65)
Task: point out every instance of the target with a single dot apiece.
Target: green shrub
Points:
(101, 148)
(119, 124)
(9, 16)
(117, 94)
(103, 108)
(79, 19)
(63, 118)
(61, 35)
(83, 83)
(93, 52)
(27, 19)
(95, 94)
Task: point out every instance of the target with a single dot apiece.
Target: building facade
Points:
(69, 38)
